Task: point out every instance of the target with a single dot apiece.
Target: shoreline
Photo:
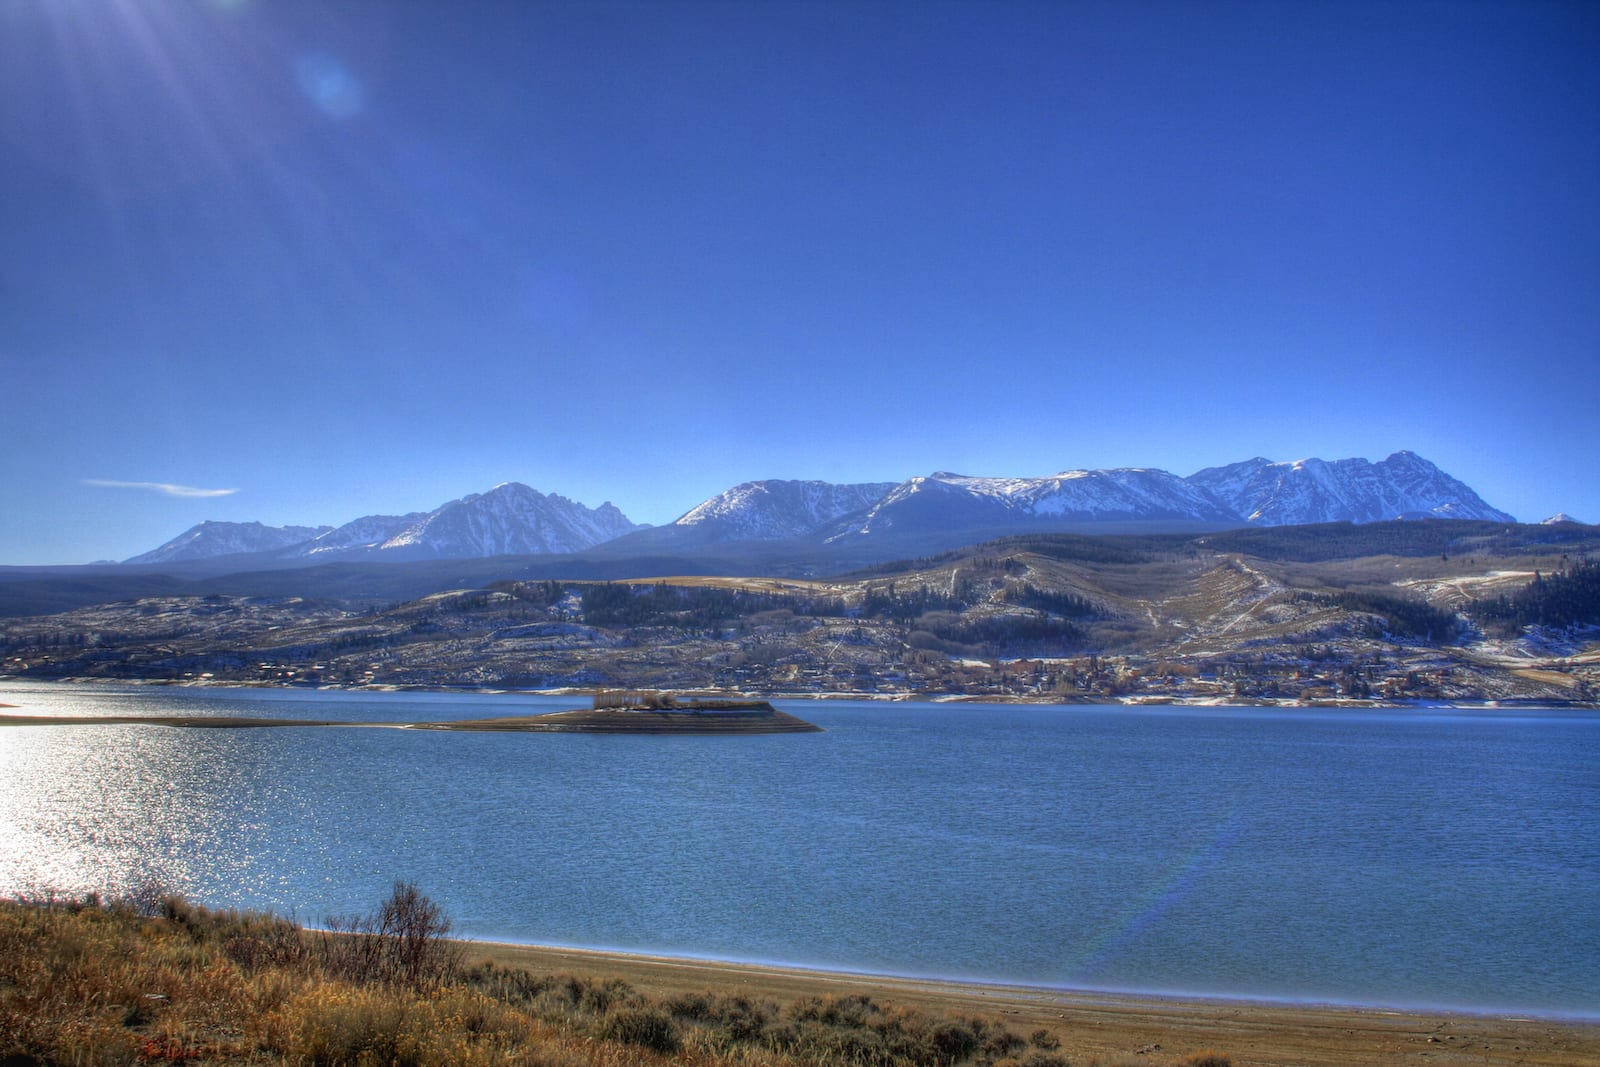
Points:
(1257, 1032)
(874, 697)
(1112, 1026)
(771, 721)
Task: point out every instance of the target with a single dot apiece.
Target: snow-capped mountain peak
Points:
(1077, 496)
(938, 509)
(777, 509)
(365, 533)
(1404, 485)
(511, 519)
(211, 539)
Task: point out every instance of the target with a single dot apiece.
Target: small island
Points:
(612, 713)
(648, 713)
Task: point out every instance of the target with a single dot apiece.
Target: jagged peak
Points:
(514, 518)
(502, 491)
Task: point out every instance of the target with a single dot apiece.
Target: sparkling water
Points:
(1415, 858)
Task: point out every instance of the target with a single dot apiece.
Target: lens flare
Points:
(1146, 910)
(330, 85)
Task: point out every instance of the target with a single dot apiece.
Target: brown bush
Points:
(402, 944)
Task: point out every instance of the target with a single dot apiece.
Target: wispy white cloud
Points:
(165, 488)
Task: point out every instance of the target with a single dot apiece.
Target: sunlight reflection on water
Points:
(1398, 857)
(127, 810)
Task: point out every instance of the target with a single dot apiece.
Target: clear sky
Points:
(352, 258)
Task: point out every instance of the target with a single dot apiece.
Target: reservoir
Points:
(1413, 858)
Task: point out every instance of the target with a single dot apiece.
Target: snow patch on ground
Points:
(1542, 643)
(1467, 586)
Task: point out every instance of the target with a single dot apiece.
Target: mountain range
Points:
(933, 512)
(509, 520)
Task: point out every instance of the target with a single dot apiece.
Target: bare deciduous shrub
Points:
(508, 985)
(1042, 1038)
(651, 1028)
(1045, 1059)
(87, 984)
(597, 997)
(696, 1007)
(265, 942)
(403, 943)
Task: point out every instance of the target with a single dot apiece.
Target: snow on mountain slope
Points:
(513, 519)
(211, 539)
(955, 500)
(509, 520)
(1404, 485)
(367, 532)
(776, 510)
(1129, 492)
(939, 501)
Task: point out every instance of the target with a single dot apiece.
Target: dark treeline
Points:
(1403, 616)
(1035, 634)
(537, 594)
(1424, 537)
(904, 604)
(1345, 540)
(695, 607)
(1054, 602)
(936, 615)
(1313, 543)
(1567, 597)
(1084, 548)
(1076, 548)
(1396, 616)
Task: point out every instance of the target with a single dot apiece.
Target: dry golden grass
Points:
(83, 984)
(1566, 681)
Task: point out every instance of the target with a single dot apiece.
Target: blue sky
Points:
(364, 258)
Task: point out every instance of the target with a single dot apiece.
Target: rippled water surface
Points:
(1437, 858)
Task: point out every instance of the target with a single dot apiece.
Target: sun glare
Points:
(329, 85)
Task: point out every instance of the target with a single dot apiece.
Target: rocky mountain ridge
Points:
(1403, 486)
(1126, 494)
(936, 511)
(510, 519)
(212, 538)
(776, 510)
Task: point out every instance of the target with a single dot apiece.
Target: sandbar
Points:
(766, 720)
(1121, 1028)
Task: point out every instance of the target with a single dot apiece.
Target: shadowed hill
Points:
(1270, 614)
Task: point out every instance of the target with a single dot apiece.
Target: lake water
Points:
(1419, 858)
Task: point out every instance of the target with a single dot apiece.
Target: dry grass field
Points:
(170, 983)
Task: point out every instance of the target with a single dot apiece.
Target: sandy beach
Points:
(1114, 1028)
